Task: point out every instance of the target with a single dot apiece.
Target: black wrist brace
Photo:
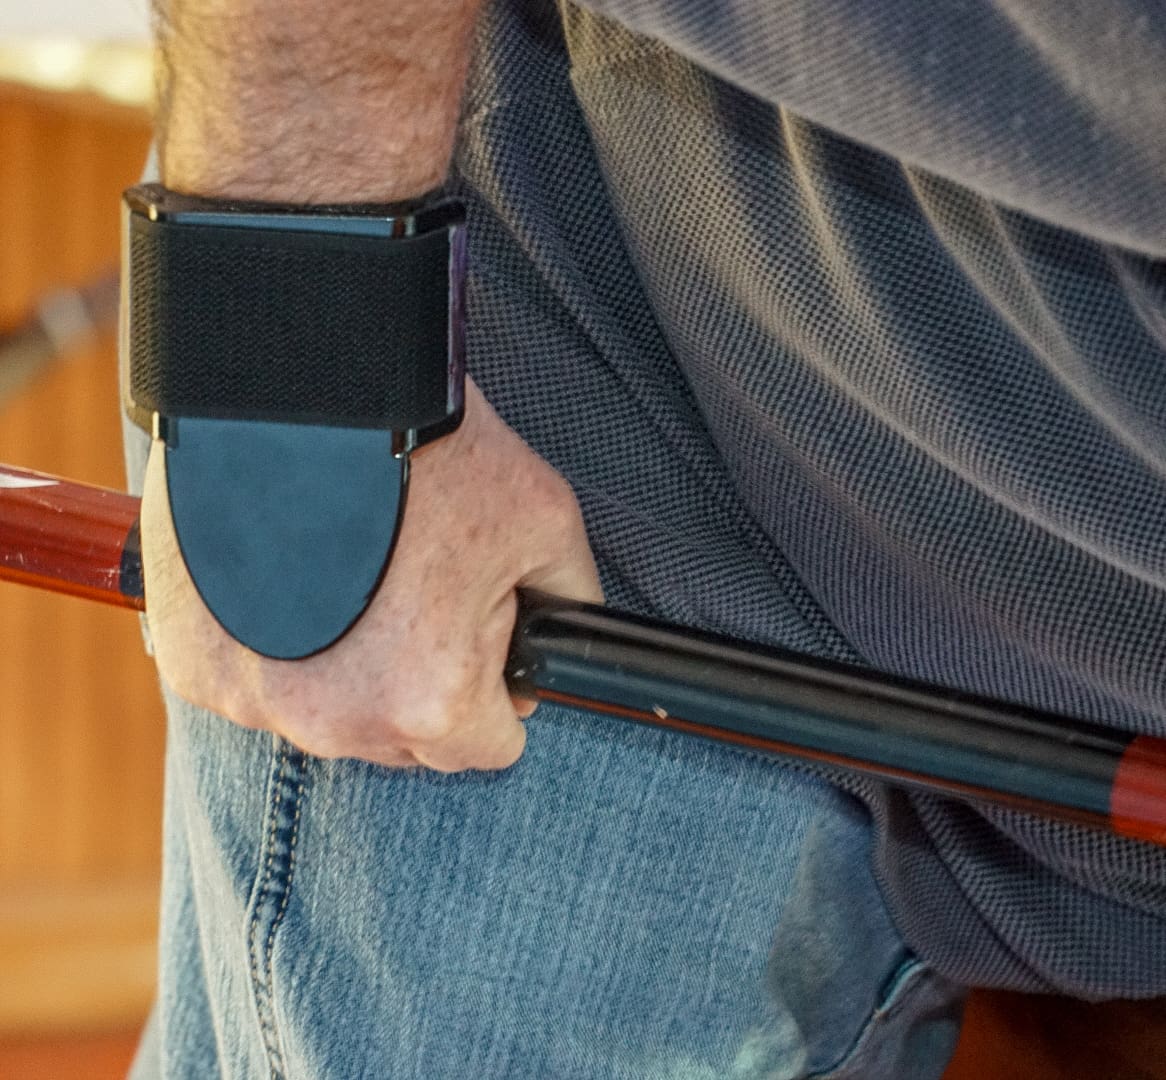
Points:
(290, 358)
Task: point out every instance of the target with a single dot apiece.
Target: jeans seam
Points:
(273, 893)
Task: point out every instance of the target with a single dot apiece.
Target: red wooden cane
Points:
(83, 540)
(69, 537)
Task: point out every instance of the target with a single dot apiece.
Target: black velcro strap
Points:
(305, 327)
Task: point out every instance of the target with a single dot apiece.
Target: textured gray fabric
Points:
(887, 386)
(1051, 108)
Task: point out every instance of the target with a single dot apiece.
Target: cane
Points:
(82, 540)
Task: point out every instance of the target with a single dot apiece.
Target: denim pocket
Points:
(912, 1032)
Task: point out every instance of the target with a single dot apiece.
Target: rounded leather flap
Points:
(286, 529)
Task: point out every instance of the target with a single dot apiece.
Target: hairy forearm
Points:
(309, 100)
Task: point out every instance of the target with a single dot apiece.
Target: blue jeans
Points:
(621, 903)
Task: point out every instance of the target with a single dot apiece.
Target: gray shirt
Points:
(847, 322)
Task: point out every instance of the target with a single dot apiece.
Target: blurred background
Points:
(81, 732)
(81, 726)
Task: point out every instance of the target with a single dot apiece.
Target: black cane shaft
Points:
(846, 717)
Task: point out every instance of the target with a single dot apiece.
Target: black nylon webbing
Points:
(260, 324)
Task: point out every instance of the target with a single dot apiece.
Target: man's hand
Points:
(320, 101)
(418, 679)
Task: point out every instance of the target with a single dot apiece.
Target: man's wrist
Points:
(310, 102)
(223, 156)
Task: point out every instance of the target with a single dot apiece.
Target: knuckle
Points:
(326, 745)
(444, 719)
(245, 711)
(431, 724)
(561, 494)
(443, 764)
(560, 507)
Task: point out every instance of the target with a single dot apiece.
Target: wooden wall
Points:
(81, 731)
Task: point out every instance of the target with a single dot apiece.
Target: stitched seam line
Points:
(273, 893)
(258, 986)
(269, 948)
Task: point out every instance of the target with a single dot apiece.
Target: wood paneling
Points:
(100, 1057)
(78, 957)
(81, 729)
